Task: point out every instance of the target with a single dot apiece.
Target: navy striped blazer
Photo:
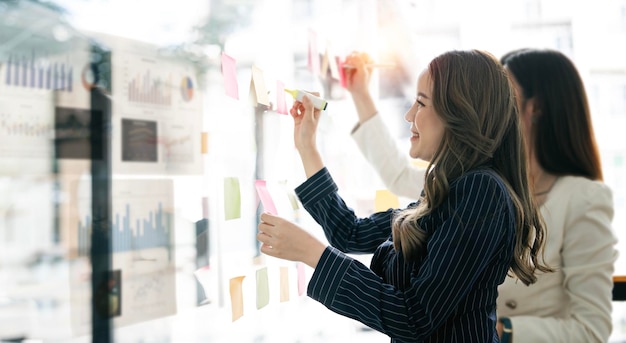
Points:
(449, 293)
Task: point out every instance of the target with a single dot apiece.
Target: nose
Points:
(409, 116)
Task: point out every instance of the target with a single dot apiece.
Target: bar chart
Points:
(148, 88)
(31, 71)
(141, 217)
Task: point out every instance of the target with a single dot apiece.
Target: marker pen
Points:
(318, 102)
(371, 65)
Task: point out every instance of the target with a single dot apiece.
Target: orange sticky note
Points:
(262, 288)
(266, 198)
(258, 89)
(229, 72)
(301, 278)
(281, 102)
(385, 200)
(314, 57)
(284, 284)
(204, 143)
(236, 297)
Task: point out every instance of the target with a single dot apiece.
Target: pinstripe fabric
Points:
(448, 294)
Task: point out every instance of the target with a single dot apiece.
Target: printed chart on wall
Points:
(157, 113)
(32, 84)
(141, 284)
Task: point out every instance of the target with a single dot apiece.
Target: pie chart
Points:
(186, 88)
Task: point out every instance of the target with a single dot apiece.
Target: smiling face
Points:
(427, 128)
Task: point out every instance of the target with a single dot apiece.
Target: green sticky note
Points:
(262, 288)
(232, 198)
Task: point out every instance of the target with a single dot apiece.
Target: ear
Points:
(532, 109)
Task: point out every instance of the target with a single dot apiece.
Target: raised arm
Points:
(373, 138)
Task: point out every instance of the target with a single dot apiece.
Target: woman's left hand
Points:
(288, 241)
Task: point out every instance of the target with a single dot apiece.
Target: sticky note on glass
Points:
(258, 89)
(329, 61)
(204, 143)
(229, 72)
(314, 57)
(281, 102)
(236, 297)
(284, 284)
(385, 200)
(301, 278)
(332, 64)
(342, 72)
(232, 198)
(262, 288)
(266, 198)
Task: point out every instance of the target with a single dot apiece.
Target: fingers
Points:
(269, 219)
(297, 109)
(308, 106)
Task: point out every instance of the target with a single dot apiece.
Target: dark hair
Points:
(562, 133)
(474, 97)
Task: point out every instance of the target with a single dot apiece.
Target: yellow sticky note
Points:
(262, 288)
(284, 284)
(385, 200)
(258, 89)
(232, 198)
(236, 297)
(330, 62)
(324, 67)
(419, 163)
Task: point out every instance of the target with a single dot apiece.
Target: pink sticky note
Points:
(342, 72)
(314, 57)
(281, 103)
(301, 280)
(229, 72)
(264, 195)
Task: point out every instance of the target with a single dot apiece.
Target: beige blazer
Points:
(571, 305)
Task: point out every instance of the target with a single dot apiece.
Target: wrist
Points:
(507, 330)
(315, 255)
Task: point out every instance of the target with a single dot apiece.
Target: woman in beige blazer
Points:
(573, 304)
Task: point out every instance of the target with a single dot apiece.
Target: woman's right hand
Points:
(358, 75)
(305, 120)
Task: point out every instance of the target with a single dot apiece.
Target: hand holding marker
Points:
(318, 102)
(371, 65)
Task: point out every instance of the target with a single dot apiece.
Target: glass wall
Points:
(140, 140)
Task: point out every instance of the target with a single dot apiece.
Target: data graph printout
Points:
(157, 112)
(141, 285)
(33, 84)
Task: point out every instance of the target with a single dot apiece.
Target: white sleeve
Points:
(589, 253)
(392, 165)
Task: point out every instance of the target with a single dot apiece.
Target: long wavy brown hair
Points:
(475, 100)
